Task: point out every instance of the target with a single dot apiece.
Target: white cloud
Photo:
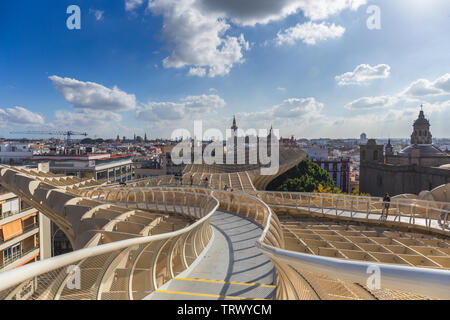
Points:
(310, 33)
(20, 116)
(413, 95)
(281, 89)
(198, 72)
(90, 95)
(424, 87)
(368, 103)
(130, 5)
(198, 39)
(251, 12)
(296, 109)
(196, 30)
(443, 83)
(363, 74)
(97, 13)
(188, 107)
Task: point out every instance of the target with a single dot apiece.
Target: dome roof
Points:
(421, 121)
(428, 149)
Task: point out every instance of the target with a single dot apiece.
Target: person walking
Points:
(192, 180)
(206, 182)
(386, 205)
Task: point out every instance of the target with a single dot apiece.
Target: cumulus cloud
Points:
(21, 116)
(424, 87)
(309, 33)
(90, 95)
(290, 109)
(412, 95)
(196, 30)
(130, 5)
(187, 107)
(251, 12)
(198, 72)
(368, 103)
(198, 39)
(363, 74)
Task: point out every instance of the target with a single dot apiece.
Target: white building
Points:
(113, 167)
(14, 153)
(316, 153)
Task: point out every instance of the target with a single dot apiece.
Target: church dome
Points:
(421, 121)
(425, 149)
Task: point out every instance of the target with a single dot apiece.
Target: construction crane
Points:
(68, 134)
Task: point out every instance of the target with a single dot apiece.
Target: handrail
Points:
(348, 196)
(15, 277)
(425, 281)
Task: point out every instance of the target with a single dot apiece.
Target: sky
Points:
(310, 68)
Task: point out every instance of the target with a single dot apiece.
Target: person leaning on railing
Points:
(386, 205)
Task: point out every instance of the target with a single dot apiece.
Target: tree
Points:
(87, 141)
(304, 177)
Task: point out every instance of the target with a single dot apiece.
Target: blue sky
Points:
(312, 68)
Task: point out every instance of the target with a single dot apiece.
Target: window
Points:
(12, 253)
(10, 207)
(375, 155)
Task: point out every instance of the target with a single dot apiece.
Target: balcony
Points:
(19, 214)
(18, 256)
(27, 231)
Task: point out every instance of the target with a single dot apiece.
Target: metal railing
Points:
(16, 257)
(133, 268)
(419, 213)
(290, 264)
(126, 269)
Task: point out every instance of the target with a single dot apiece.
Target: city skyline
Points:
(310, 70)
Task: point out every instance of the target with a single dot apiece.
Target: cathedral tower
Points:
(421, 133)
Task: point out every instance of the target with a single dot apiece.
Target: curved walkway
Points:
(232, 268)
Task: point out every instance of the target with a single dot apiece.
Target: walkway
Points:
(233, 268)
(392, 217)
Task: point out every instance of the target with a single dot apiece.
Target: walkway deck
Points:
(232, 268)
(392, 217)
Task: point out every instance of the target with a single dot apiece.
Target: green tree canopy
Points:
(87, 141)
(304, 177)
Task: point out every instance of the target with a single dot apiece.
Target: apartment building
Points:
(339, 171)
(24, 232)
(113, 167)
(14, 153)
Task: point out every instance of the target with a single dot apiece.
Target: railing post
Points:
(351, 209)
(398, 213)
(337, 200)
(322, 204)
(368, 209)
